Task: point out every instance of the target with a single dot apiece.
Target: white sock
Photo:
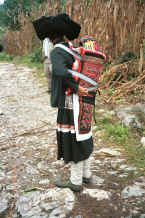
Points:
(76, 173)
(87, 168)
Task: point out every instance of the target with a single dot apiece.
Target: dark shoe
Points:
(68, 184)
(87, 180)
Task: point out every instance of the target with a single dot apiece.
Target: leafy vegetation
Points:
(117, 131)
(10, 10)
(35, 56)
(127, 139)
(126, 56)
(6, 57)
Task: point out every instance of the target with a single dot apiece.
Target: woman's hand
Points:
(82, 91)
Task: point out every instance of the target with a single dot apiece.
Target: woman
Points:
(70, 148)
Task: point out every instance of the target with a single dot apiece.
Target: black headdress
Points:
(61, 24)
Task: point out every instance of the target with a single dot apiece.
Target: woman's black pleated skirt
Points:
(69, 149)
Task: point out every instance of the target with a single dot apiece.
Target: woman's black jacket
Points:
(61, 79)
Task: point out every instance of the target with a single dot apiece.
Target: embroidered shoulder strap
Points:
(70, 51)
(74, 73)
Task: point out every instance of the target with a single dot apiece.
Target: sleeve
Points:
(71, 83)
(60, 61)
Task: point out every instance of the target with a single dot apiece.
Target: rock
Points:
(131, 115)
(1, 113)
(101, 111)
(111, 112)
(57, 213)
(129, 119)
(98, 194)
(126, 168)
(31, 170)
(108, 152)
(43, 166)
(139, 108)
(28, 159)
(130, 169)
(96, 180)
(132, 191)
(58, 201)
(122, 167)
(142, 141)
(140, 183)
(44, 182)
(112, 172)
(2, 174)
(124, 175)
(4, 200)
(115, 164)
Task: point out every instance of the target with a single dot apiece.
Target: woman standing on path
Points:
(72, 146)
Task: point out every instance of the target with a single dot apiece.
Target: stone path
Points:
(28, 163)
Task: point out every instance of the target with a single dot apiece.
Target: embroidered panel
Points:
(85, 117)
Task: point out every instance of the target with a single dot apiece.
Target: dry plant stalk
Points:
(117, 25)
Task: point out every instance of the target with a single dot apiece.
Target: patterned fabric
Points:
(69, 149)
(85, 117)
(67, 127)
(69, 102)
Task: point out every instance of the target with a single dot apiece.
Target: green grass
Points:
(115, 134)
(6, 57)
(117, 131)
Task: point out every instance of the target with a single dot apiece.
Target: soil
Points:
(28, 152)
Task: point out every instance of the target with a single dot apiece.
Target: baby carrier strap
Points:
(75, 73)
(81, 76)
(70, 51)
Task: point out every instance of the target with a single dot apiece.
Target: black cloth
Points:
(68, 148)
(59, 25)
(61, 79)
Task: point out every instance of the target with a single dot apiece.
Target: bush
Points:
(140, 1)
(6, 57)
(118, 132)
(36, 55)
(126, 56)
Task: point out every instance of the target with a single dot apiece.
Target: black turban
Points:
(61, 24)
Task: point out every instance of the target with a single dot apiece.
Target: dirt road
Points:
(28, 164)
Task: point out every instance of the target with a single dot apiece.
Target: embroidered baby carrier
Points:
(86, 71)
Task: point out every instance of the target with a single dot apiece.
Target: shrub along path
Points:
(28, 163)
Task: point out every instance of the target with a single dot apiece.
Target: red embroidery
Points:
(85, 117)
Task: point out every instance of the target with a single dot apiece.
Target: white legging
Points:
(80, 170)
